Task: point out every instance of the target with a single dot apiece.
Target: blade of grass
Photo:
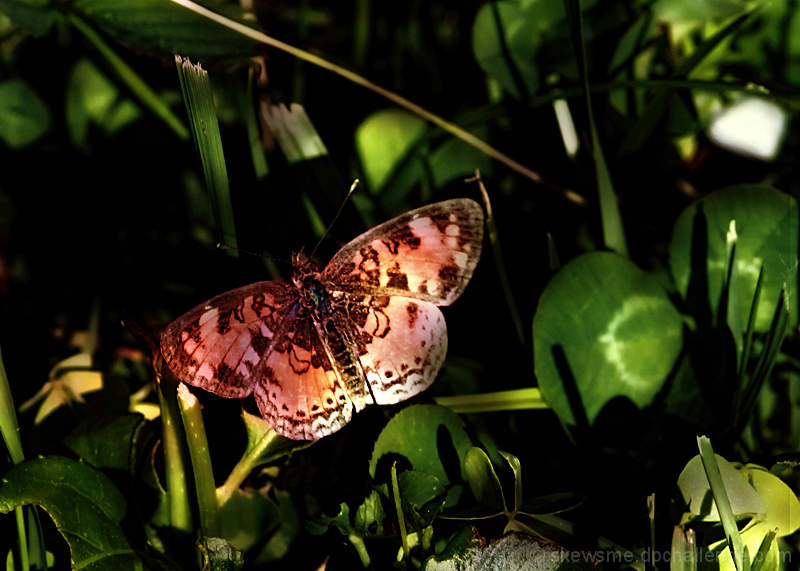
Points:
(763, 550)
(772, 345)
(613, 232)
(447, 126)
(177, 475)
(10, 430)
(747, 346)
(197, 442)
(146, 96)
(683, 556)
(735, 543)
(247, 109)
(401, 520)
(518, 399)
(199, 100)
(494, 240)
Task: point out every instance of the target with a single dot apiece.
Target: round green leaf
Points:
(618, 330)
(767, 227)
(24, 117)
(783, 507)
(696, 492)
(384, 140)
(427, 438)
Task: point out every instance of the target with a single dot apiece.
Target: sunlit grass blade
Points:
(735, 543)
(143, 92)
(769, 354)
(175, 466)
(197, 442)
(746, 349)
(199, 100)
(683, 556)
(494, 240)
(762, 554)
(518, 399)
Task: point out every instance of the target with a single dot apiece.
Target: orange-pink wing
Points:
(389, 282)
(427, 254)
(221, 345)
(301, 392)
(403, 345)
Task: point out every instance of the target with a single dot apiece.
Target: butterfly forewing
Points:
(220, 346)
(428, 254)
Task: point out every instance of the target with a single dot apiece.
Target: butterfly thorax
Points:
(306, 278)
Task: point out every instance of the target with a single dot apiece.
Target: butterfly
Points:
(366, 329)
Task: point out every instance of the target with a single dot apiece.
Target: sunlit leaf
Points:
(617, 328)
(696, 492)
(767, 224)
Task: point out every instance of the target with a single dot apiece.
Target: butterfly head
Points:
(303, 270)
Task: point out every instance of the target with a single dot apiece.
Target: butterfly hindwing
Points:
(428, 254)
(404, 345)
(301, 391)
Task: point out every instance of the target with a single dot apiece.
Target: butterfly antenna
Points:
(335, 218)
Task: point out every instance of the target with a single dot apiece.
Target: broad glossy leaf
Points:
(115, 442)
(696, 492)
(85, 506)
(427, 438)
(767, 227)
(617, 328)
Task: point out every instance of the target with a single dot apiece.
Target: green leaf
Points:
(164, 28)
(617, 328)
(421, 498)
(386, 142)
(482, 478)
(459, 546)
(93, 99)
(506, 37)
(696, 492)
(36, 16)
(113, 442)
(428, 438)
(24, 116)
(767, 227)
(84, 504)
(783, 507)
